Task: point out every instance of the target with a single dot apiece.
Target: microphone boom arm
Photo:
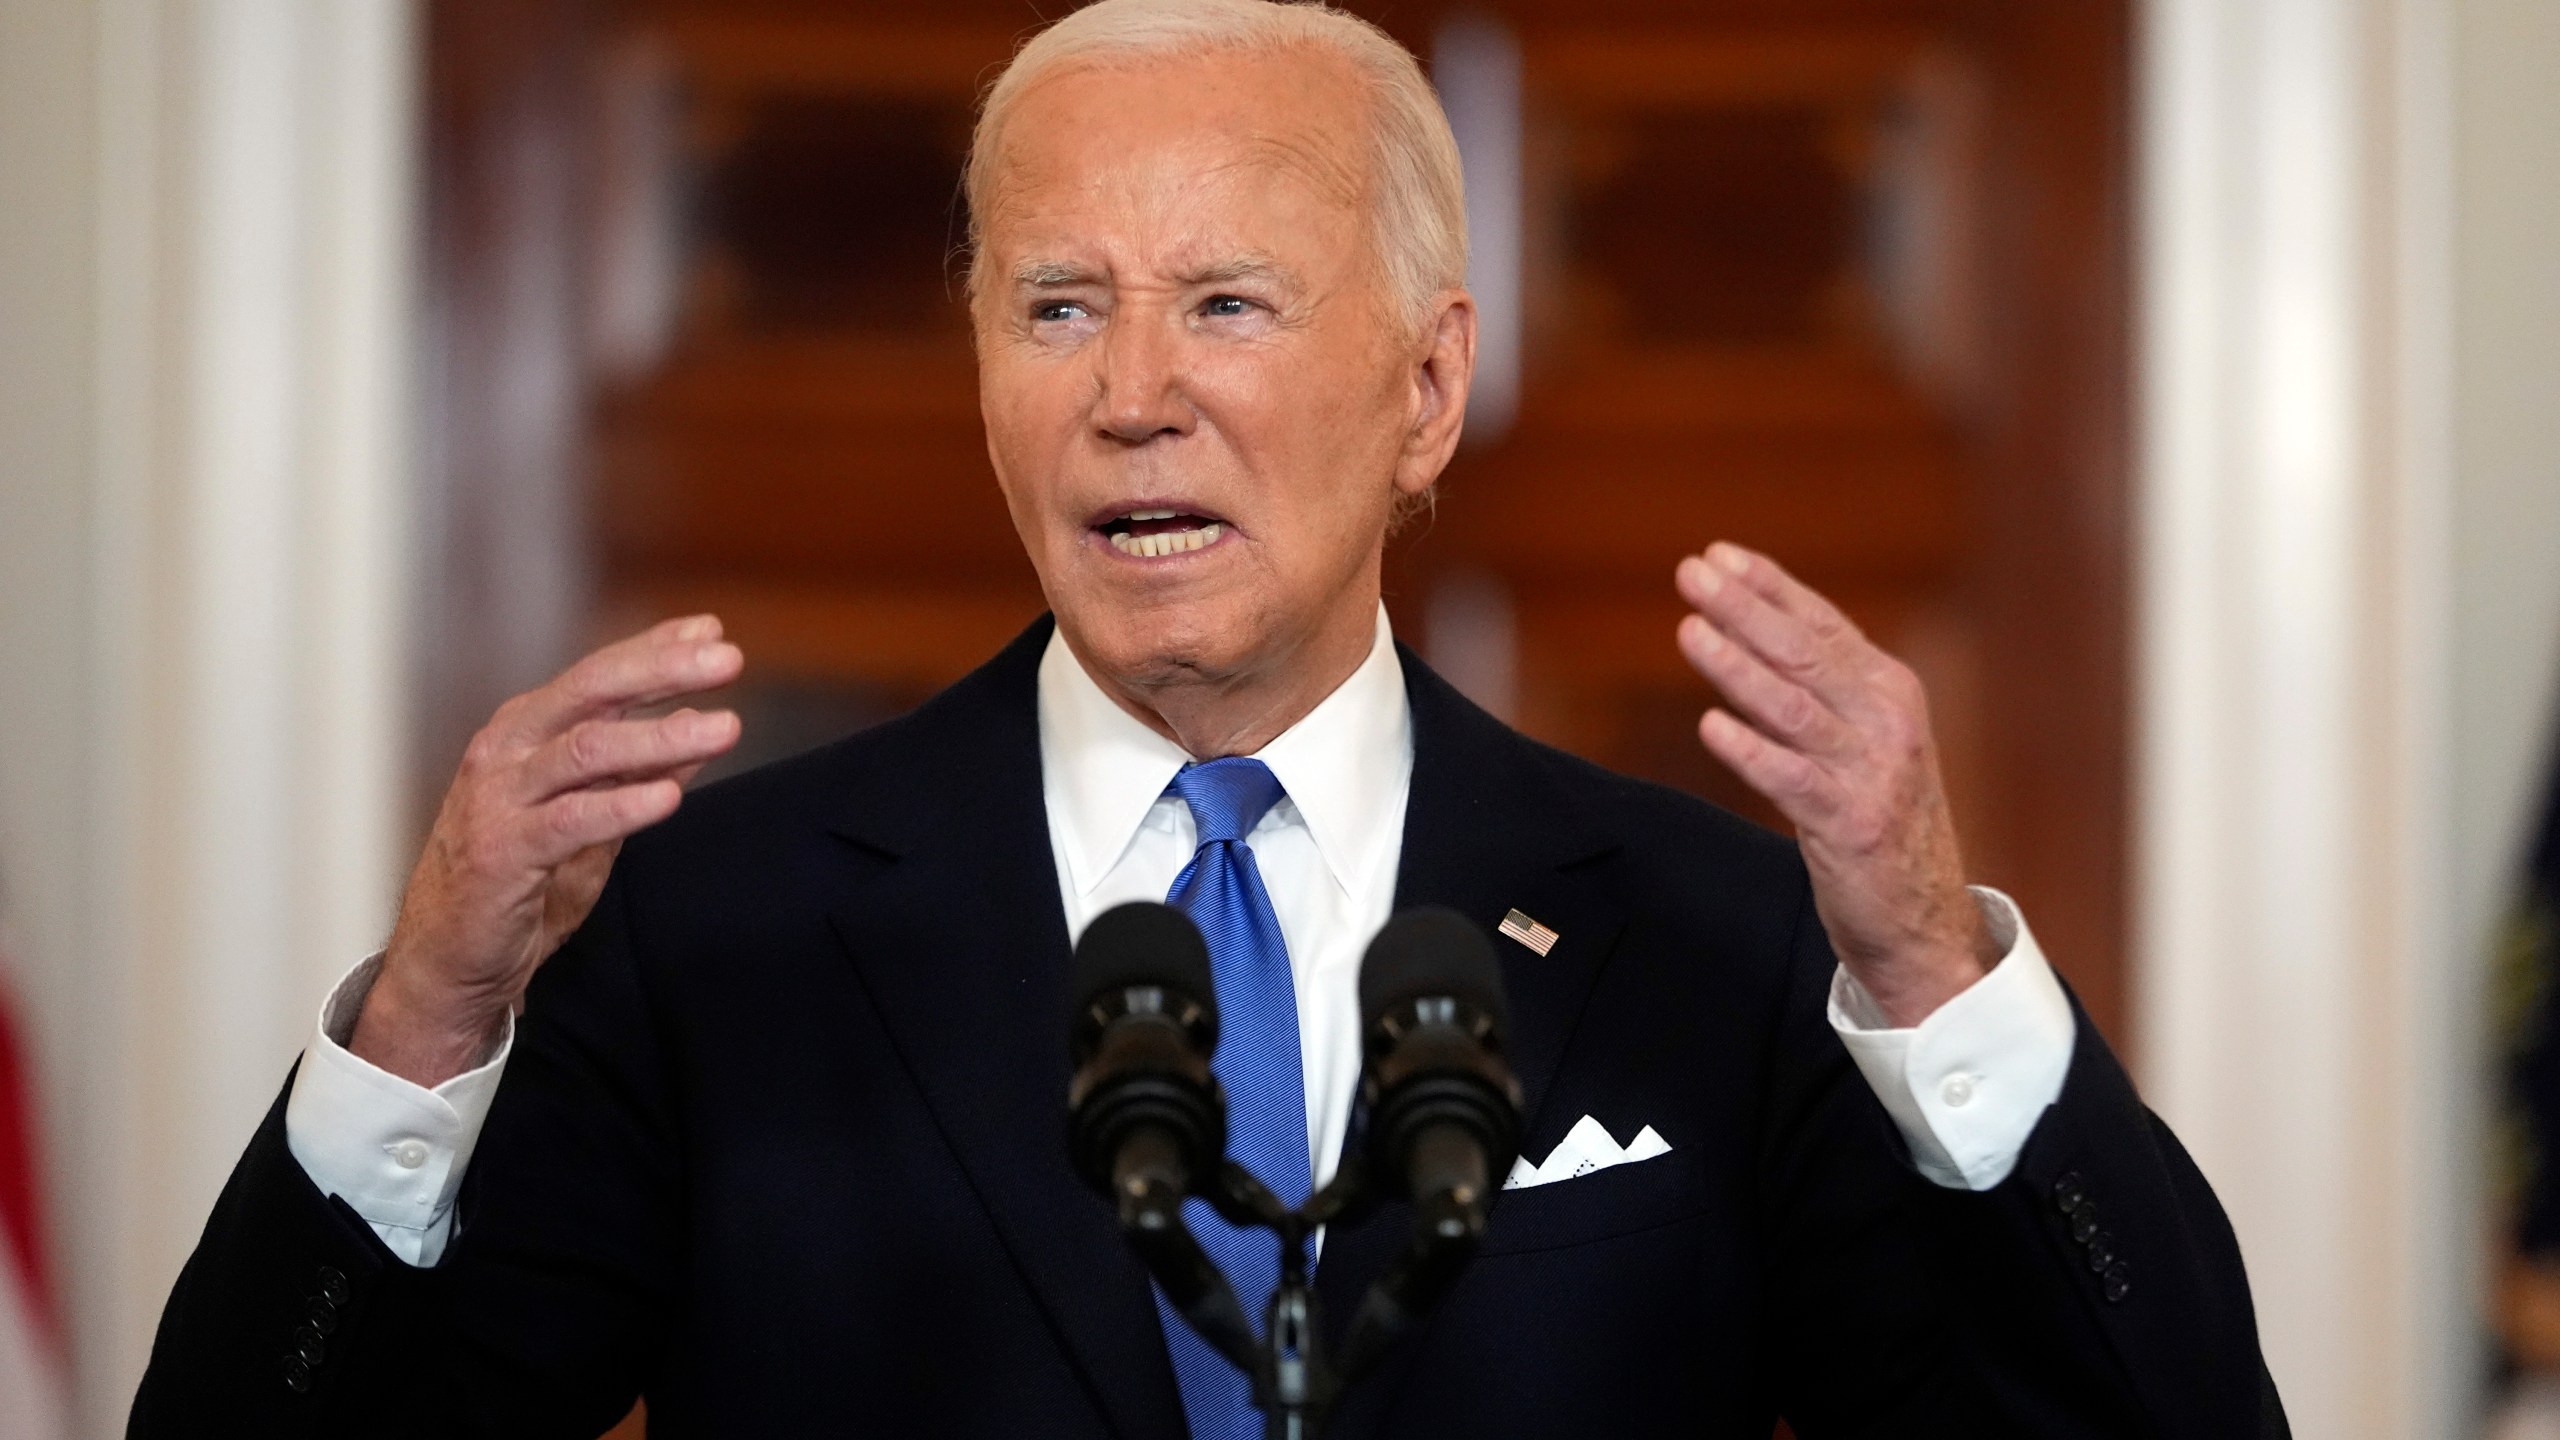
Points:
(1151, 1221)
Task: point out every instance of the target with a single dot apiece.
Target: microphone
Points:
(1444, 1109)
(1146, 1119)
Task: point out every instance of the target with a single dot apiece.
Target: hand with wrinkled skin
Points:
(1835, 733)
(545, 796)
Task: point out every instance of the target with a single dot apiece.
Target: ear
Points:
(1443, 369)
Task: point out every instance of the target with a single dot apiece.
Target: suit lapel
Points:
(1487, 829)
(962, 946)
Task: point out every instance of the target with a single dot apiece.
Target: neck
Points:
(1240, 712)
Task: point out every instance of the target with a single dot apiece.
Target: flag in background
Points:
(31, 1357)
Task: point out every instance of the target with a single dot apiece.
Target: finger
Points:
(594, 751)
(678, 657)
(1832, 660)
(1773, 583)
(553, 832)
(1778, 707)
(1802, 790)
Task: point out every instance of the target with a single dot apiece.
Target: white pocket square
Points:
(1586, 1147)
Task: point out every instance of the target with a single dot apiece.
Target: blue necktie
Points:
(1257, 1063)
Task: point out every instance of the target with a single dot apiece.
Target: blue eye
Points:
(1225, 305)
(1050, 310)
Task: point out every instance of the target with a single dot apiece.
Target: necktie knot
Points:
(1228, 797)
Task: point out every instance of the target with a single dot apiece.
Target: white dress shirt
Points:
(1965, 1087)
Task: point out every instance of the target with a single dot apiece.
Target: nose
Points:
(1139, 395)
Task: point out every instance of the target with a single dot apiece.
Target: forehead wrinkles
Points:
(1340, 178)
(1335, 159)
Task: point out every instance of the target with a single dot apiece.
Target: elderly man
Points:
(775, 1138)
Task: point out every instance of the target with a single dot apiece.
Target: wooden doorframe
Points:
(2052, 580)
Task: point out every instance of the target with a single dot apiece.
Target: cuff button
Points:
(2084, 1221)
(297, 1376)
(333, 1284)
(2116, 1284)
(2069, 1191)
(2102, 1252)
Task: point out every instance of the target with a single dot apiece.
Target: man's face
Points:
(1201, 397)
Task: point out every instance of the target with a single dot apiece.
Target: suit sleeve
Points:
(2097, 1290)
(291, 1318)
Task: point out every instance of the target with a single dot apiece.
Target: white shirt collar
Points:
(1345, 765)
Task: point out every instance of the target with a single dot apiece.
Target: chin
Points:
(1163, 640)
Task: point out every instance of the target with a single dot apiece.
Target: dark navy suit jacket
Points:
(781, 1146)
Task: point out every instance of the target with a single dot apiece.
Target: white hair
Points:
(1415, 187)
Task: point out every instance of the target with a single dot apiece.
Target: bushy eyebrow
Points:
(1251, 265)
(1050, 275)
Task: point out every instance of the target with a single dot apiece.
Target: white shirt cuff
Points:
(1966, 1085)
(396, 1152)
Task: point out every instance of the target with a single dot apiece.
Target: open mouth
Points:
(1148, 534)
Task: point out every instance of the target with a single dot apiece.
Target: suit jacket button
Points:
(2084, 1221)
(297, 1376)
(2069, 1191)
(2116, 1284)
(2102, 1251)
(333, 1285)
(309, 1348)
(322, 1317)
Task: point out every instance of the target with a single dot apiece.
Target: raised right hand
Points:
(526, 835)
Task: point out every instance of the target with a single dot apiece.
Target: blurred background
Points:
(2175, 383)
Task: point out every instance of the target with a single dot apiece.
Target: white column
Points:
(206, 802)
(2304, 1018)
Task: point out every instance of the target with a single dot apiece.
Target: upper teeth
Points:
(1169, 542)
(1151, 514)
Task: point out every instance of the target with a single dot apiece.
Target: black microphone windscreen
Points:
(1144, 943)
(1431, 950)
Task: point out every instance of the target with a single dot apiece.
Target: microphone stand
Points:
(1295, 1382)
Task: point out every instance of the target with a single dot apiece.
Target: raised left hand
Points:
(1836, 733)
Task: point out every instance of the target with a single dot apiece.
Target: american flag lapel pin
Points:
(1528, 932)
